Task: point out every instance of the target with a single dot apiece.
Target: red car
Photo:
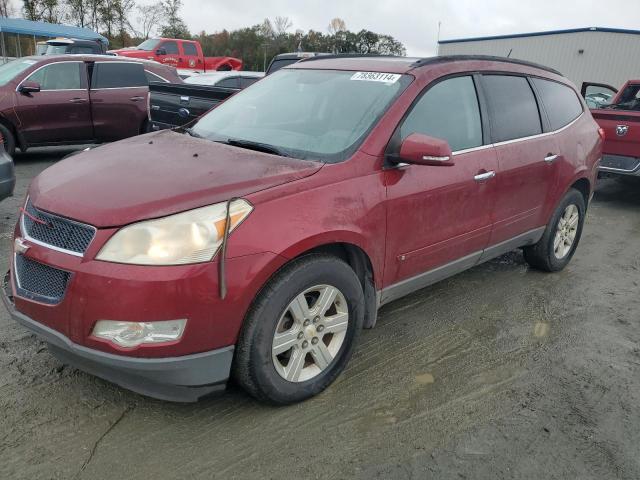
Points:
(75, 99)
(618, 113)
(182, 54)
(258, 243)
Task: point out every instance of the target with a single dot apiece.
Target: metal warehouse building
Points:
(600, 55)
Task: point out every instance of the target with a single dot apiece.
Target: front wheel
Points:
(558, 244)
(301, 330)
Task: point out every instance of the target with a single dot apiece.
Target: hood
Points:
(156, 175)
(133, 52)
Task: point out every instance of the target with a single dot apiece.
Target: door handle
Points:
(78, 100)
(552, 157)
(136, 99)
(481, 177)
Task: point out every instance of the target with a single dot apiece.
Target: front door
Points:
(60, 112)
(439, 218)
(119, 98)
(527, 159)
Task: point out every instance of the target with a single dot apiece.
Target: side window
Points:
(231, 82)
(246, 81)
(512, 106)
(82, 50)
(59, 76)
(560, 102)
(152, 77)
(170, 47)
(190, 49)
(449, 111)
(118, 75)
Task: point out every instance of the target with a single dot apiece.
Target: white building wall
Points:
(608, 57)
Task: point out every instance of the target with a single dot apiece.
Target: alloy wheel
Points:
(309, 333)
(566, 232)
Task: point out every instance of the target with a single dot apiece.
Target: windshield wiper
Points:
(257, 146)
(190, 131)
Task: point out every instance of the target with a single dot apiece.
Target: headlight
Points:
(189, 237)
(133, 334)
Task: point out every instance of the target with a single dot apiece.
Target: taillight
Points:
(601, 133)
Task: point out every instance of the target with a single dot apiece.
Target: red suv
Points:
(75, 99)
(258, 243)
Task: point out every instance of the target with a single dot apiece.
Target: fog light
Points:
(133, 334)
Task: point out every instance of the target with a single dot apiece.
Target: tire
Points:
(269, 374)
(9, 140)
(544, 255)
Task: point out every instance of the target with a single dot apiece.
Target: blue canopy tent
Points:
(18, 37)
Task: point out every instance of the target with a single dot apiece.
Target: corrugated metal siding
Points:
(610, 58)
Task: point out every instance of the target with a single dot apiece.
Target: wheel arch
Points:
(12, 128)
(356, 256)
(583, 185)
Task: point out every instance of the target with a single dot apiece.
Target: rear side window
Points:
(449, 111)
(560, 102)
(190, 49)
(512, 107)
(118, 75)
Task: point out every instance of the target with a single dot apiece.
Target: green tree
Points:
(174, 26)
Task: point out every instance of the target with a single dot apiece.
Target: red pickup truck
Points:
(182, 54)
(618, 114)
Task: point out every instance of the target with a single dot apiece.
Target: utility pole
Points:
(438, 40)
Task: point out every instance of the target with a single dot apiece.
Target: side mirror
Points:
(161, 51)
(421, 149)
(29, 87)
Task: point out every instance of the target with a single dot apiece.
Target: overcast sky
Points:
(415, 22)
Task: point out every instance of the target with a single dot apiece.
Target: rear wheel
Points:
(558, 244)
(9, 140)
(300, 333)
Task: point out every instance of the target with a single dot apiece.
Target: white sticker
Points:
(376, 77)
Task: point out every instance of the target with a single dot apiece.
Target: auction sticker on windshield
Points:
(376, 77)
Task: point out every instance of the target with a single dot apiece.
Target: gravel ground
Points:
(501, 372)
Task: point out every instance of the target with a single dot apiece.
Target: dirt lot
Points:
(501, 372)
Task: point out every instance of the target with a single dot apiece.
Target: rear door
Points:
(190, 58)
(527, 158)
(119, 99)
(440, 215)
(60, 112)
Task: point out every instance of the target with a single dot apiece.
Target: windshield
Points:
(57, 49)
(309, 114)
(12, 69)
(629, 99)
(148, 45)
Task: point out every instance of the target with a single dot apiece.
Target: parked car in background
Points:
(258, 243)
(284, 59)
(75, 99)
(74, 46)
(182, 54)
(178, 105)
(7, 173)
(174, 105)
(620, 120)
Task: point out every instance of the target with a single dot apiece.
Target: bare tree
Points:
(149, 18)
(281, 25)
(6, 8)
(337, 25)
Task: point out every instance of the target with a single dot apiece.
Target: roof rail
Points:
(454, 58)
(347, 55)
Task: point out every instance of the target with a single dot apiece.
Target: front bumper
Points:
(620, 165)
(177, 379)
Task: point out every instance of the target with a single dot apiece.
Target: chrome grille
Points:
(40, 282)
(56, 231)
